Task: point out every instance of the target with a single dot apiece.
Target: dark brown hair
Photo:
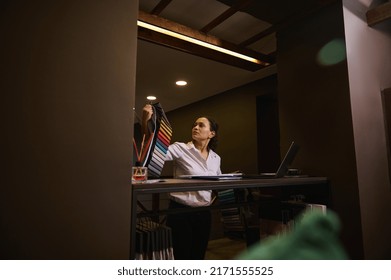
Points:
(213, 127)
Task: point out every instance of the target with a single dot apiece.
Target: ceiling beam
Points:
(160, 7)
(158, 38)
(287, 22)
(272, 29)
(228, 13)
(379, 14)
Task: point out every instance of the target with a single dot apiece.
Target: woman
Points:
(190, 231)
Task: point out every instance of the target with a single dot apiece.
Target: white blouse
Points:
(188, 161)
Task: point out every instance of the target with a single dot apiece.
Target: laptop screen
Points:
(287, 161)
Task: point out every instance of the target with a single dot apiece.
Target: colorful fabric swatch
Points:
(157, 145)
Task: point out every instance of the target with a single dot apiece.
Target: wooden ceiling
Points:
(249, 26)
(278, 14)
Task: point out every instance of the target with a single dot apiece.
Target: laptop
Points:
(282, 169)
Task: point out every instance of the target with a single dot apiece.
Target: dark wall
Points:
(235, 112)
(315, 111)
(68, 78)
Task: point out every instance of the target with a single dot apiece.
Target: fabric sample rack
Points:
(156, 147)
(153, 241)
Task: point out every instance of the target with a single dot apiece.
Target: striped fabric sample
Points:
(158, 142)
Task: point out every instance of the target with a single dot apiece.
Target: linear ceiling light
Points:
(196, 41)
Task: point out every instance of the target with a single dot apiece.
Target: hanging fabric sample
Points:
(153, 150)
(161, 138)
(153, 241)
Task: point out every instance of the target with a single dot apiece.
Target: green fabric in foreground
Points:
(315, 237)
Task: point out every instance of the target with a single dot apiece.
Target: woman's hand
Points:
(147, 113)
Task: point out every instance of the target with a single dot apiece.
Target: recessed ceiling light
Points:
(181, 83)
(151, 97)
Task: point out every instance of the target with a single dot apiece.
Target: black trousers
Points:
(190, 232)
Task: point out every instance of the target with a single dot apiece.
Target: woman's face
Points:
(201, 130)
